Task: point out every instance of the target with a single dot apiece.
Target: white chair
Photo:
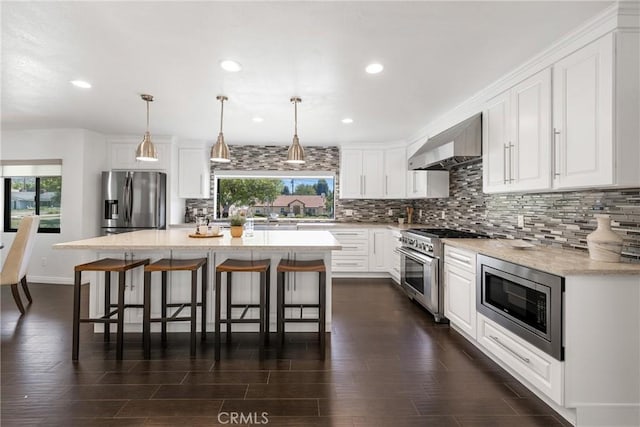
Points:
(15, 266)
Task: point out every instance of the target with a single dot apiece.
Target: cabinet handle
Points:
(415, 189)
(364, 185)
(497, 341)
(339, 233)
(511, 179)
(346, 263)
(201, 184)
(386, 185)
(556, 157)
(361, 185)
(504, 163)
(460, 258)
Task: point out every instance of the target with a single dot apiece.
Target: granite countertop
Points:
(321, 225)
(562, 262)
(178, 238)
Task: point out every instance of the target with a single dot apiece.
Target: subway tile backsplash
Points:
(562, 219)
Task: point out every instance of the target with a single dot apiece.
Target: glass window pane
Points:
(23, 194)
(50, 194)
(288, 197)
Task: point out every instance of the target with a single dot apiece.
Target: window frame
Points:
(7, 207)
(273, 174)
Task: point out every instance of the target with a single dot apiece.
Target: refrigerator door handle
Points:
(127, 199)
(130, 201)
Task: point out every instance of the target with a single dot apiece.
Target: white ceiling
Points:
(436, 54)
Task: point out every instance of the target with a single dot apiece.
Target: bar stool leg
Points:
(76, 315)
(203, 308)
(263, 286)
(163, 310)
(228, 317)
(107, 304)
(217, 332)
(267, 308)
(194, 307)
(120, 336)
(146, 321)
(280, 309)
(322, 312)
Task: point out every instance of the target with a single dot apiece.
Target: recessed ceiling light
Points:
(231, 66)
(374, 68)
(347, 120)
(258, 119)
(81, 83)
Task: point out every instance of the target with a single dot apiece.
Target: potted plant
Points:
(237, 221)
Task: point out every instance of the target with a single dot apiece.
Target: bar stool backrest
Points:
(17, 262)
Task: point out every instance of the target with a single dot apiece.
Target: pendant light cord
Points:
(295, 115)
(147, 116)
(221, 112)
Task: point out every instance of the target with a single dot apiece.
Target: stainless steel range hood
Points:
(458, 144)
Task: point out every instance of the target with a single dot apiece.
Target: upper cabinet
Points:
(193, 173)
(360, 174)
(517, 137)
(595, 114)
(123, 156)
(573, 126)
(383, 174)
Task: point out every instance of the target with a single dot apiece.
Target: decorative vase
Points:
(603, 243)
(236, 231)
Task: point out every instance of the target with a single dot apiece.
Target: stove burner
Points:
(445, 233)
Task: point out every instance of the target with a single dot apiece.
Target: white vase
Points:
(603, 243)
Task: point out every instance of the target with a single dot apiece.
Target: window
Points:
(32, 188)
(275, 195)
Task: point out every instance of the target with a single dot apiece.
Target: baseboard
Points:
(50, 279)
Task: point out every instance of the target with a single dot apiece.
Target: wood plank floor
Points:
(388, 364)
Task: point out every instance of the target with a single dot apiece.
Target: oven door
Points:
(419, 277)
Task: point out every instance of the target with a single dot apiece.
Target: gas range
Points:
(422, 265)
(428, 240)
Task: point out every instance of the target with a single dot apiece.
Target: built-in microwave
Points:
(525, 301)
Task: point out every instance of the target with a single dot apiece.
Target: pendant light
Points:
(295, 155)
(220, 151)
(146, 151)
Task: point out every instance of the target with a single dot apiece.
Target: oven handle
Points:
(416, 256)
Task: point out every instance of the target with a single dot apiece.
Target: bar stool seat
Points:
(295, 266)
(164, 266)
(108, 266)
(242, 266)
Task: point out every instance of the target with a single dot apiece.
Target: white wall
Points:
(83, 155)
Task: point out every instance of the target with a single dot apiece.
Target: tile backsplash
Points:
(561, 219)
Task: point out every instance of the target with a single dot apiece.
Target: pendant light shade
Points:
(146, 151)
(295, 155)
(220, 151)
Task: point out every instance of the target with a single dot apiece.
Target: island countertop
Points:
(176, 238)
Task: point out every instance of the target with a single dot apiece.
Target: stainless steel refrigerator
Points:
(133, 200)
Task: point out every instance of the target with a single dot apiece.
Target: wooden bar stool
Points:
(108, 265)
(291, 266)
(241, 266)
(164, 266)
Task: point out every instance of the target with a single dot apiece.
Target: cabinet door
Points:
(582, 116)
(193, 178)
(395, 163)
(351, 174)
(416, 184)
(460, 298)
(495, 144)
(372, 179)
(530, 142)
(377, 244)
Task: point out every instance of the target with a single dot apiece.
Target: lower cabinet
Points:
(377, 251)
(535, 366)
(460, 289)
(393, 257)
(354, 255)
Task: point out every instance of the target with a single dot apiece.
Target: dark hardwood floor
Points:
(388, 364)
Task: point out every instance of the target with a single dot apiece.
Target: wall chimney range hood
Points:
(458, 144)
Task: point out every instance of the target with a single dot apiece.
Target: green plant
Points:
(237, 220)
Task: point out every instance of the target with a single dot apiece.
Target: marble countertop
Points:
(178, 238)
(562, 262)
(321, 225)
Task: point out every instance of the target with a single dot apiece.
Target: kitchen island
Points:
(176, 243)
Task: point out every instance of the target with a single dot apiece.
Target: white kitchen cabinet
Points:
(377, 249)
(395, 163)
(354, 255)
(595, 114)
(427, 184)
(517, 137)
(460, 289)
(193, 173)
(123, 156)
(360, 174)
(393, 256)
